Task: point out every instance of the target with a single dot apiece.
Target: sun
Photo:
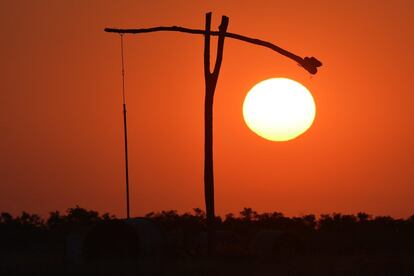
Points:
(279, 109)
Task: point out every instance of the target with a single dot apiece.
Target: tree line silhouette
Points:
(247, 243)
(185, 233)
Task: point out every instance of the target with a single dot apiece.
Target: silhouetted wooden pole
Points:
(310, 64)
(126, 161)
(210, 87)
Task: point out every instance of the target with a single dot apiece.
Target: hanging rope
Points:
(125, 127)
(123, 69)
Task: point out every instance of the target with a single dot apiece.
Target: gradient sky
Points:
(61, 139)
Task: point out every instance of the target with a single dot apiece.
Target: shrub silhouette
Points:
(329, 234)
(111, 240)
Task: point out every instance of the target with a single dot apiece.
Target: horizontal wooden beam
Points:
(311, 64)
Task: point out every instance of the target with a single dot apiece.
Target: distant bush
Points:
(330, 233)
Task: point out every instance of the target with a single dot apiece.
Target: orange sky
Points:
(61, 114)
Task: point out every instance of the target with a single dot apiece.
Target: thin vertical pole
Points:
(125, 127)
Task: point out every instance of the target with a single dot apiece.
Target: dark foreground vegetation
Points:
(83, 242)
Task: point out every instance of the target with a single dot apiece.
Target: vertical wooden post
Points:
(126, 161)
(210, 86)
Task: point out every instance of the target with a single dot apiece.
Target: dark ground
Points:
(249, 244)
(299, 265)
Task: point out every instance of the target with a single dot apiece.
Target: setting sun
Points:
(279, 109)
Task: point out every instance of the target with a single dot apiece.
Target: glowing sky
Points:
(61, 108)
